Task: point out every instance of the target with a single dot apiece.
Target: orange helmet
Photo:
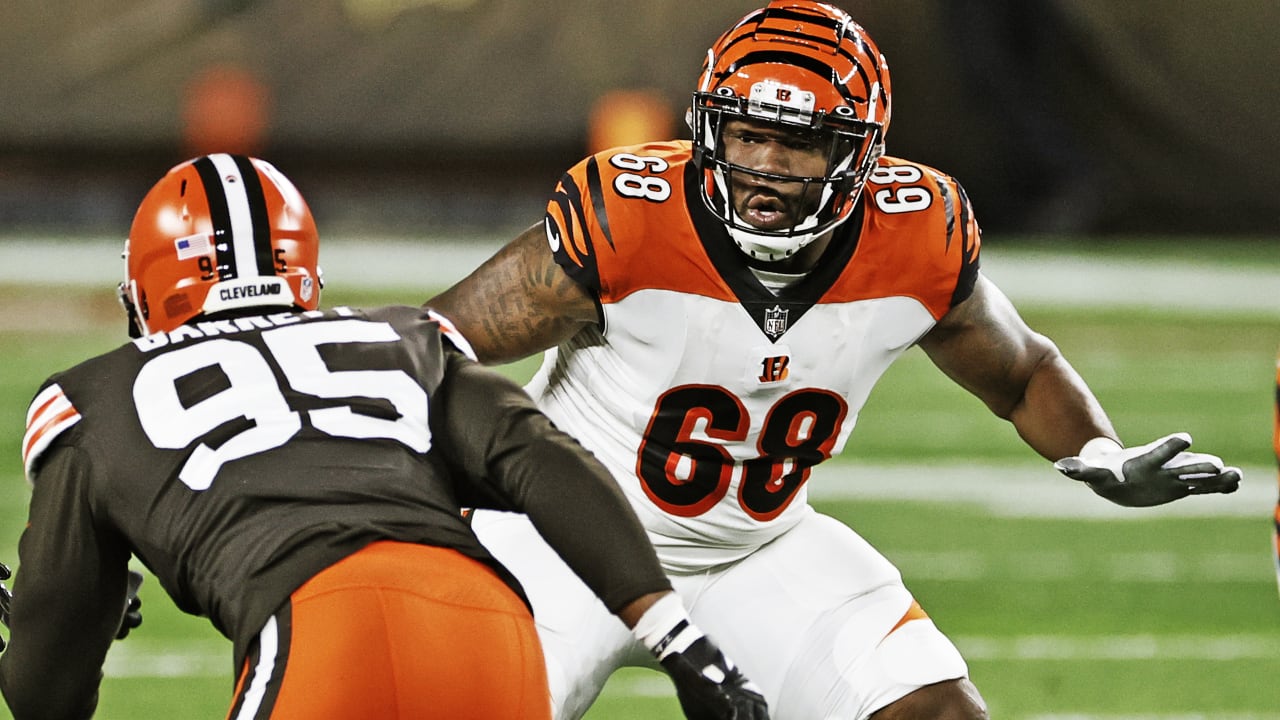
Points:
(220, 232)
(805, 66)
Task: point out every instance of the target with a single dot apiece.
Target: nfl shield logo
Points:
(775, 321)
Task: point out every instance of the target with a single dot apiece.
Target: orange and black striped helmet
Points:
(803, 65)
(219, 232)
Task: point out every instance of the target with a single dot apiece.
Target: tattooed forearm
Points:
(519, 302)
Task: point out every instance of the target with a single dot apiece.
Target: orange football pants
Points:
(393, 632)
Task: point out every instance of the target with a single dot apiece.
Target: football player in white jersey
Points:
(714, 315)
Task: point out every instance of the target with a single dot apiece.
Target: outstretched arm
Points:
(986, 347)
(518, 303)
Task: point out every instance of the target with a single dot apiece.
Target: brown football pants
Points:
(397, 631)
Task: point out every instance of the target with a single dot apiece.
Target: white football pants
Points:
(814, 618)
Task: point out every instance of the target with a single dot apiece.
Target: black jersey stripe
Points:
(258, 215)
(596, 188)
(969, 262)
(573, 194)
(948, 207)
(577, 252)
(220, 214)
(965, 217)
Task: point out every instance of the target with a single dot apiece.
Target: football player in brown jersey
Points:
(297, 476)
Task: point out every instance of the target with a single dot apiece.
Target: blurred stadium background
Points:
(1122, 158)
(452, 116)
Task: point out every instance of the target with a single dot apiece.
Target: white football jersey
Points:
(708, 396)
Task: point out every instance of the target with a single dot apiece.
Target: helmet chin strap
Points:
(764, 247)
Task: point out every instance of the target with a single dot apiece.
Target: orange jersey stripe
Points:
(43, 402)
(50, 414)
(51, 425)
(915, 612)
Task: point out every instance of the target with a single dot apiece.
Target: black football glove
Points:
(708, 684)
(710, 687)
(6, 598)
(132, 617)
(1152, 474)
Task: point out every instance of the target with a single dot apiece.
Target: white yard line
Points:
(1034, 276)
(139, 657)
(1199, 648)
(145, 657)
(1076, 280)
(997, 564)
(395, 263)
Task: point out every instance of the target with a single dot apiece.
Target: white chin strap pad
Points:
(763, 247)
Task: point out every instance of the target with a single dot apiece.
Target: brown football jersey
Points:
(237, 457)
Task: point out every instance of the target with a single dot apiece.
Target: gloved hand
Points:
(708, 684)
(6, 597)
(132, 617)
(710, 687)
(1151, 474)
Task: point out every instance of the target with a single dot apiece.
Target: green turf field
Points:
(1062, 616)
